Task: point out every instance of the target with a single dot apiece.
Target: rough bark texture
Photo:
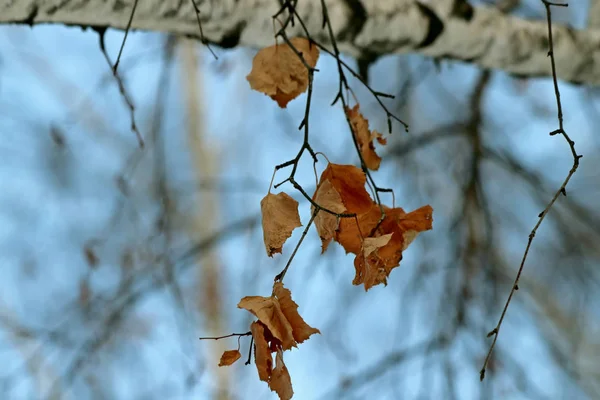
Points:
(444, 29)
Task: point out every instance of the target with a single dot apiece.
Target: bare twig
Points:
(561, 189)
(122, 90)
(249, 333)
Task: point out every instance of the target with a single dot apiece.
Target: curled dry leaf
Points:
(371, 244)
(279, 313)
(229, 357)
(279, 327)
(268, 311)
(300, 329)
(278, 72)
(279, 218)
(365, 137)
(374, 267)
(349, 181)
(281, 383)
(370, 268)
(327, 224)
(262, 354)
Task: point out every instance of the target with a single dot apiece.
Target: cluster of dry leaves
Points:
(279, 328)
(377, 243)
(377, 235)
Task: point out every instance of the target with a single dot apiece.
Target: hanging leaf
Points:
(300, 329)
(280, 382)
(349, 181)
(377, 251)
(268, 311)
(229, 357)
(327, 224)
(377, 260)
(352, 231)
(278, 72)
(262, 354)
(279, 314)
(370, 268)
(279, 218)
(365, 137)
(279, 328)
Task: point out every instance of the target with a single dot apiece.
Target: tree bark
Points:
(594, 14)
(443, 29)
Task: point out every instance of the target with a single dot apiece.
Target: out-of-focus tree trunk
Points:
(202, 222)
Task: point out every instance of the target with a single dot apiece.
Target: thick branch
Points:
(594, 14)
(445, 29)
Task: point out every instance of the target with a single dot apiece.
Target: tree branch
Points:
(594, 14)
(479, 35)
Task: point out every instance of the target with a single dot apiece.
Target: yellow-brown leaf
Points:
(268, 311)
(278, 72)
(262, 354)
(279, 218)
(327, 224)
(280, 382)
(229, 357)
(300, 329)
(365, 137)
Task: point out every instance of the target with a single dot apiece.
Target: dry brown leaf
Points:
(262, 354)
(371, 244)
(370, 269)
(349, 181)
(327, 224)
(280, 382)
(268, 311)
(351, 234)
(374, 267)
(279, 218)
(300, 329)
(229, 357)
(365, 137)
(278, 72)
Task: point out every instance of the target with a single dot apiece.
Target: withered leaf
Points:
(351, 233)
(262, 354)
(278, 72)
(374, 268)
(365, 137)
(279, 218)
(326, 196)
(229, 357)
(280, 382)
(371, 244)
(370, 268)
(349, 181)
(300, 329)
(268, 311)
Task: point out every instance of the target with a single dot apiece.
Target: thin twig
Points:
(279, 277)
(225, 336)
(135, 3)
(561, 189)
(202, 38)
(122, 90)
